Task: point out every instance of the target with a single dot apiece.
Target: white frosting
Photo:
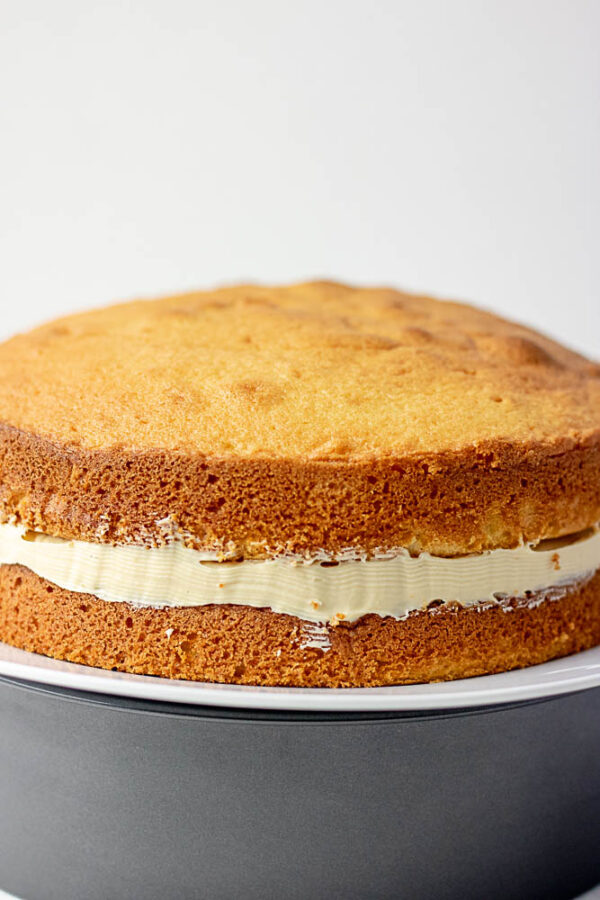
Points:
(174, 575)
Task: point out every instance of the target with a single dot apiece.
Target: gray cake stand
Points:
(120, 787)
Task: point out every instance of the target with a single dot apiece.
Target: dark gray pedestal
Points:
(111, 799)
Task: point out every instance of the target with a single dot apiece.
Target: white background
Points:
(445, 146)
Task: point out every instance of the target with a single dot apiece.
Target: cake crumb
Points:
(556, 561)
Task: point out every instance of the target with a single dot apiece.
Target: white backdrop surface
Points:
(149, 146)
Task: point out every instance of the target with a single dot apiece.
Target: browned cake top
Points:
(313, 371)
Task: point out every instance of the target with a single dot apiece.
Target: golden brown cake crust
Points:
(314, 371)
(446, 504)
(256, 646)
(259, 420)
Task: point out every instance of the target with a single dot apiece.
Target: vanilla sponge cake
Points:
(313, 485)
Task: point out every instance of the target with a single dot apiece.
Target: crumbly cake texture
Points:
(256, 646)
(257, 420)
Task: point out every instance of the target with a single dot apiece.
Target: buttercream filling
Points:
(174, 575)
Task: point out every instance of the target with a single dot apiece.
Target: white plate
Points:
(573, 673)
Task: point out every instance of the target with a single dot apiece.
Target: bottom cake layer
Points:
(244, 645)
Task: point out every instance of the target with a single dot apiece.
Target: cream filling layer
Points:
(176, 576)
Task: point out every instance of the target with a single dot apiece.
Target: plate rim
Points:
(581, 671)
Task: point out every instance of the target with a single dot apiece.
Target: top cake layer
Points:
(317, 371)
(315, 416)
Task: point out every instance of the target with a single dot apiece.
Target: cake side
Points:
(480, 498)
(237, 644)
